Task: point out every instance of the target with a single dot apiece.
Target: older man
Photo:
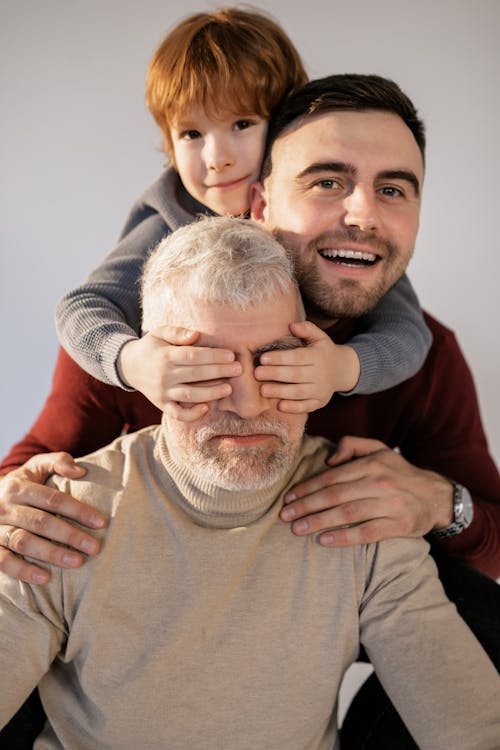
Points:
(194, 625)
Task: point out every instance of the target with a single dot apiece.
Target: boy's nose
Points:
(361, 209)
(218, 155)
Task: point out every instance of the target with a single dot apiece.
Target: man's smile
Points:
(350, 258)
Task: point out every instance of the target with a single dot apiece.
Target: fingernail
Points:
(97, 522)
(40, 577)
(326, 539)
(301, 526)
(287, 514)
(290, 497)
(71, 559)
(89, 546)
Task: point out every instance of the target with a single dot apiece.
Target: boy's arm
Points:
(96, 319)
(392, 342)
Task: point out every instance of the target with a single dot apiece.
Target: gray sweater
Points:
(96, 319)
(204, 623)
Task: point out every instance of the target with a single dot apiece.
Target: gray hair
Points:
(223, 260)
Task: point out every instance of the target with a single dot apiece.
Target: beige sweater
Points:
(204, 623)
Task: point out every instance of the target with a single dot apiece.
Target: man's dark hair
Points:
(347, 92)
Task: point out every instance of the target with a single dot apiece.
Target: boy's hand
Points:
(166, 368)
(305, 379)
(369, 493)
(28, 523)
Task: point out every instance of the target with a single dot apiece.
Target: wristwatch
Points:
(463, 512)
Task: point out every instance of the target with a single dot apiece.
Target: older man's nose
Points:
(245, 400)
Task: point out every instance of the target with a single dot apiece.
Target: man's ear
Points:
(258, 203)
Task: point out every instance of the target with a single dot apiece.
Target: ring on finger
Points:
(6, 537)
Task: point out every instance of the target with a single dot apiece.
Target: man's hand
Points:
(166, 367)
(371, 491)
(28, 523)
(305, 378)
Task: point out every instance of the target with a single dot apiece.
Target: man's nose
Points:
(361, 209)
(245, 400)
(218, 154)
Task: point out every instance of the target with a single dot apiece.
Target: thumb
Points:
(176, 335)
(39, 468)
(353, 447)
(307, 331)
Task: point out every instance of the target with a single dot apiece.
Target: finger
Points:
(185, 413)
(20, 569)
(303, 406)
(190, 394)
(300, 356)
(321, 481)
(24, 543)
(38, 468)
(176, 335)
(350, 447)
(286, 374)
(292, 392)
(194, 373)
(307, 331)
(24, 497)
(372, 531)
(347, 514)
(52, 527)
(200, 355)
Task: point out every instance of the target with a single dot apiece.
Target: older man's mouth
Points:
(350, 258)
(241, 441)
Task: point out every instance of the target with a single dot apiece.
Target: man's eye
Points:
(392, 192)
(190, 135)
(329, 184)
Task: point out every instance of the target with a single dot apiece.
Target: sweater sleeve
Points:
(392, 342)
(432, 667)
(97, 318)
(32, 631)
(80, 415)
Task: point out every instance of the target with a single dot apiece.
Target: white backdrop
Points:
(78, 146)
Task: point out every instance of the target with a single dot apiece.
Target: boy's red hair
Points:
(231, 60)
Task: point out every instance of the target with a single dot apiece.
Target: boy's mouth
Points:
(229, 184)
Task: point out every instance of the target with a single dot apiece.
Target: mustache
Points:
(228, 426)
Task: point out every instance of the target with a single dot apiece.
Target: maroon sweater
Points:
(433, 418)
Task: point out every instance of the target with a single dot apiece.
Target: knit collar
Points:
(209, 505)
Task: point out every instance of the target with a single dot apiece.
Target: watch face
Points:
(466, 506)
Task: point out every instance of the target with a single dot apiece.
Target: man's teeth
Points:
(349, 254)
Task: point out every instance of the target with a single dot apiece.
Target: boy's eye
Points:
(190, 135)
(243, 124)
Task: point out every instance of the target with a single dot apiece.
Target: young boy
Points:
(211, 87)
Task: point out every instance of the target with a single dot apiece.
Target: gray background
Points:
(78, 146)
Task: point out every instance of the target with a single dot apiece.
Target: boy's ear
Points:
(258, 202)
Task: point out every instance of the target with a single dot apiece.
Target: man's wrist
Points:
(462, 513)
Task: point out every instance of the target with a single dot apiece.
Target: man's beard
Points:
(237, 468)
(349, 298)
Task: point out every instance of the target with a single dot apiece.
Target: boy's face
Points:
(218, 159)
